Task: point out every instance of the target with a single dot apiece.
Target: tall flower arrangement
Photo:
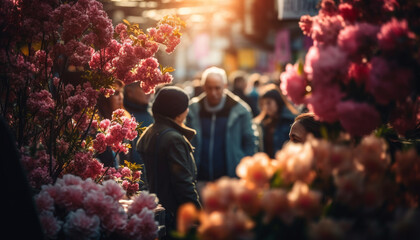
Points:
(363, 68)
(56, 59)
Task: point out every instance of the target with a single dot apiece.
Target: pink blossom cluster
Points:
(131, 58)
(167, 35)
(81, 25)
(300, 183)
(41, 103)
(112, 133)
(37, 167)
(357, 62)
(127, 178)
(83, 209)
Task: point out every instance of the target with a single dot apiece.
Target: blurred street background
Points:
(255, 36)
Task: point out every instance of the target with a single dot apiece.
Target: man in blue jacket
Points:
(224, 128)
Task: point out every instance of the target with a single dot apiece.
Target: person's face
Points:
(297, 133)
(213, 87)
(116, 100)
(269, 105)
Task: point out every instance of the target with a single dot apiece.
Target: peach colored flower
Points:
(349, 187)
(186, 218)
(275, 204)
(326, 228)
(247, 197)
(372, 154)
(219, 195)
(305, 202)
(295, 161)
(256, 170)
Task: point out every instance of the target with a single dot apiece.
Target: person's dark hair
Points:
(273, 92)
(310, 124)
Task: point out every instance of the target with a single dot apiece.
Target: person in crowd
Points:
(239, 82)
(273, 123)
(304, 125)
(105, 108)
(136, 101)
(253, 95)
(167, 154)
(224, 127)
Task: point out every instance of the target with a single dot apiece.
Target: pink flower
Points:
(385, 77)
(99, 143)
(348, 12)
(50, 224)
(328, 8)
(113, 189)
(41, 103)
(359, 73)
(44, 202)
(395, 36)
(305, 24)
(292, 84)
(143, 200)
(323, 102)
(70, 197)
(79, 225)
(325, 64)
(97, 203)
(142, 226)
(325, 29)
(358, 39)
(358, 118)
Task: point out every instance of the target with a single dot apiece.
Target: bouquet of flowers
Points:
(316, 190)
(56, 59)
(362, 70)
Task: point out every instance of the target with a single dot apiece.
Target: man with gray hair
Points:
(224, 127)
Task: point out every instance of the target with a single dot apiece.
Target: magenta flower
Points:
(395, 36)
(385, 77)
(357, 39)
(358, 118)
(41, 103)
(323, 65)
(292, 84)
(323, 102)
